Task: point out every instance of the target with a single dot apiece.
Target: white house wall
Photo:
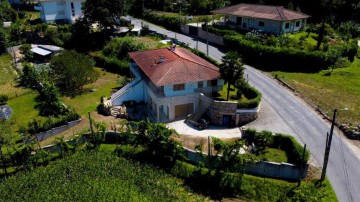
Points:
(135, 93)
(60, 10)
(270, 26)
(292, 26)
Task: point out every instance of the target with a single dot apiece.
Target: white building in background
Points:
(63, 11)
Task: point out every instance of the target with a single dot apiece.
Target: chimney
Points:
(172, 47)
(155, 61)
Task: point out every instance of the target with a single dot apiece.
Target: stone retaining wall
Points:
(217, 110)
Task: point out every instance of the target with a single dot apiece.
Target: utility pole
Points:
(207, 38)
(327, 147)
(91, 128)
(197, 34)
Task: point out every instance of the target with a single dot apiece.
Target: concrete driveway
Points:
(215, 131)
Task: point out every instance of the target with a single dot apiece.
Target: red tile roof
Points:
(277, 13)
(179, 66)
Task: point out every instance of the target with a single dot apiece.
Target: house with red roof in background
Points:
(170, 82)
(266, 18)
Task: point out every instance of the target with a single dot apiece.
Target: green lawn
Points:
(222, 95)
(87, 102)
(23, 108)
(274, 155)
(339, 90)
(8, 76)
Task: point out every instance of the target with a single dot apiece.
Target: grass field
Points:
(339, 90)
(8, 76)
(88, 101)
(274, 155)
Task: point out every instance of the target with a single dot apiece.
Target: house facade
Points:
(64, 11)
(170, 82)
(270, 19)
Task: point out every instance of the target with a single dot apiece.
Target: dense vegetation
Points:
(91, 175)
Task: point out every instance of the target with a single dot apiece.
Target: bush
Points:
(293, 149)
(119, 47)
(111, 64)
(3, 99)
(37, 126)
(253, 97)
(170, 21)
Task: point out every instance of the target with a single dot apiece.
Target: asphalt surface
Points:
(282, 111)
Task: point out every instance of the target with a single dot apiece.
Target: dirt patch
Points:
(84, 126)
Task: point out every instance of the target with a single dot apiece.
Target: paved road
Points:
(284, 112)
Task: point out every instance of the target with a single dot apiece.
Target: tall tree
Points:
(329, 9)
(231, 69)
(71, 71)
(50, 104)
(105, 12)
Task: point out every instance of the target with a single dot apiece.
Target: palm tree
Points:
(231, 69)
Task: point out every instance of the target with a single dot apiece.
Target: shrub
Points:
(119, 47)
(288, 143)
(253, 97)
(111, 64)
(293, 149)
(170, 21)
(3, 99)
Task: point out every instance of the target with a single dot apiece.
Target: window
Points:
(200, 84)
(72, 9)
(261, 24)
(178, 87)
(212, 83)
(297, 24)
(287, 25)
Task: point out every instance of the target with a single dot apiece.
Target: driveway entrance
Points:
(216, 131)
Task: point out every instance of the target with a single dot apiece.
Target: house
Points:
(59, 11)
(170, 81)
(270, 19)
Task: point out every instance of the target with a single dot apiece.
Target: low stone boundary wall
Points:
(285, 171)
(54, 131)
(247, 115)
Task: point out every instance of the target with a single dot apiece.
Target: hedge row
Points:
(253, 98)
(276, 58)
(281, 58)
(170, 21)
(287, 143)
(38, 126)
(111, 64)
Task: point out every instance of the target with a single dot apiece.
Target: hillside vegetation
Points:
(94, 176)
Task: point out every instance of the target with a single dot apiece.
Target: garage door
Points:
(181, 111)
